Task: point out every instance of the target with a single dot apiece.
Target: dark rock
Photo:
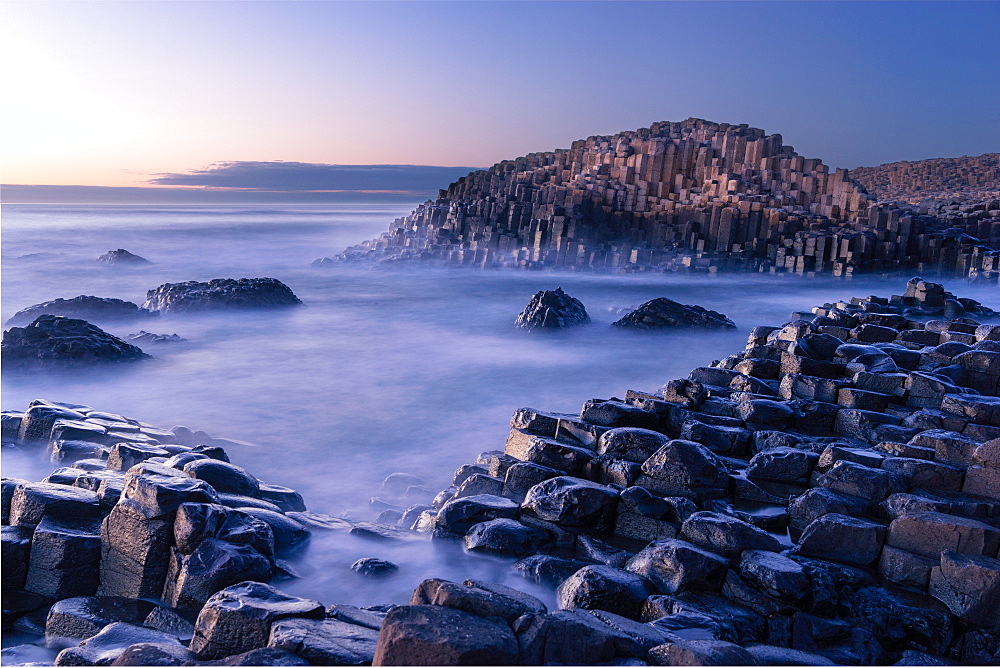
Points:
(776, 574)
(153, 654)
(374, 567)
(122, 257)
(124, 456)
(552, 309)
(31, 502)
(223, 476)
(604, 588)
(83, 307)
(350, 614)
(726, 535)
(380, 532)
(105, 647)
(861, 481)
(970, 586)
(572, 502)
(613, 413)
(220, 293)
(700, 653)
(547, 570)
(684, 468)
(477, 598)
(285, 498)
(65, 558)
(325, 642)
(901, 619)
(782, 465)
(66, 342)
(575, 637)
(238, 618)
(631, 443)
(459, 515)
(676, 565)
(157, 491)
(169, 621)
(523, 476)
(196, 522)
(601, 552)
(212, 566)
(16, 550)
(771, 655)
(142, 337)
(662, 313)
(505, 536)
(433, 635)
(842, 538)
(930, 533)
(265, 656)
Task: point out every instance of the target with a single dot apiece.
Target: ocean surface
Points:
(414, 370)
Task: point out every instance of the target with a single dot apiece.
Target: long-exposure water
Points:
(415, 370)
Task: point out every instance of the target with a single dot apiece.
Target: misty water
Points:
(415, 370)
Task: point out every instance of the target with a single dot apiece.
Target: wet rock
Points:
(477, 598)
(220, 293)
(771, 655)
(676, 565)
(285, 498)
(63, 342)
(65, 558)
(572, 502)
(776, 574)
(547, 570)
(196, 522)
(684, 468)
(374, 567)
(841, 538)
(782, 465)
(523, 476)
(98, 309)
(905, 568)
(861, 481)
(726, 535)
(135, 552)
(505, 536)
(265, 656)
(631, 443)
(31, 502)
(700, 653)
(552, 309)
(458, 516)
(103, 648)
(212, 566)
(604, 588)
(223, 476)
(153, 654)
(238, 618)
(325, 642)
(15, 556)
(575, 637)
(157, 491)
(923, 474)
(433, 635)
(169, 621)
(662, 313)
(611, 413)
(901, 619)
(367, 617)
(144, 338)
(122, 257)
(124, 456)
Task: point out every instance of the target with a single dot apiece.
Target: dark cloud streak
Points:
(305, 176)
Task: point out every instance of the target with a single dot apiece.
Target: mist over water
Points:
(415, 370)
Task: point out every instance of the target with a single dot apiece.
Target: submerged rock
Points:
(122, 256)
(83, 306)
(662, 313)
(58, 341)
(148, 337)
(220, 293)
(552, 309)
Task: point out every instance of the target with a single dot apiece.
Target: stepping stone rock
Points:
(505, 536)
(65, 559)
(573, 502)
(478, 598)
(373, 567)
(458, 516)
(325, 642)
(223, 476)
(154, 654)
(33, 501)
(433, 635)
(604, 588)
(929, 534)
(676, 565)
(552, 309)
(841, 538)
(700, 653)
(103, 648)
(726, 535)
(122, 257)
(970, 586)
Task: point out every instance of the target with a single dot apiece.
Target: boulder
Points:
(154, 654)
(65, 558)
(374, 567)
(604, 588)
(726, 535)
(861, 481)
(289, 534)
(122, 257)
(576, 637)
(970, 586)
(771, 655)
(325, 642)
(220, 293)
(85, 616)
(676, 565)
(103, 648)
(684, 468)
(547, 570)
(84, 307)
(662, 313)
(196, 522)
(930, 533)
(33, 501)
(782, 465)
(223, 476)
(505, 536)
(157, 491)
(433, 635)
(238, 618)
(573, 502)
(213, 565)
(485, 599)
(776, 574)
(144, 338)
(552, 309)
(700, 653)
(63, 342)
(631, 443)
(459, 515)
(15, 556)
(841, 538)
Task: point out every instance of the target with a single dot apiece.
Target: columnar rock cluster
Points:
(689, 195)
(934, 180)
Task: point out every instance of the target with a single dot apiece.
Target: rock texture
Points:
(122, 257)
(99, 309)
(938, 181)
(693, 195)
(552, 309)
(220, 293)
(665, 313)
(55, 341)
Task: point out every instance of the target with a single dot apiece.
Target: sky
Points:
(130, 93)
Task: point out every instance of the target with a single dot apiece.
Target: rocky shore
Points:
(828, 495)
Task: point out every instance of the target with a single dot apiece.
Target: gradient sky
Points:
(111, 93)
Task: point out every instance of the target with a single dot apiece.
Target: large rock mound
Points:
(122, 257)
(55, 340)
(83, 306)
(220, 293)
(662, 313)
(552, 309)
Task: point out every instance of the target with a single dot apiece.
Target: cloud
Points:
(307, 176)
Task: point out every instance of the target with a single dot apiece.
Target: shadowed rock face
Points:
(122, 257)
(662, 313)
(56, 341)
(83, 306)
(552, 309)
(220, 293)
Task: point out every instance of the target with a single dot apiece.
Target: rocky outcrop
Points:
(98, 309)
(145, 338)
(122, 257)
(662, 313)
(687, 196)
(934, 181)
(54, 341)
(552, 309)
(220, 293)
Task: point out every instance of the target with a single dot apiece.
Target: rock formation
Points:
(552, 309)
(662, 313)
(144, 337)
(220, 293)
(964, 180)
(99, 309)
(693, 195)
(122, 257)
(55, 341)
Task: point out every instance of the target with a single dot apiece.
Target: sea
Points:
(414, 370)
